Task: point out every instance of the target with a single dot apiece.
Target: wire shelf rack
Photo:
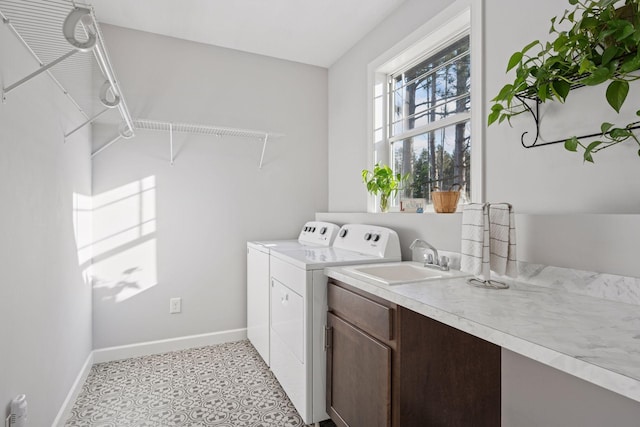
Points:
(38, 25)
(200, 129)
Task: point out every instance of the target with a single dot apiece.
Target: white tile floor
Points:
(224, 385)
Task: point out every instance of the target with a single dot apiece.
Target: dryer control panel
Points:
(318, 233)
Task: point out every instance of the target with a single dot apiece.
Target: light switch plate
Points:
(175, 305)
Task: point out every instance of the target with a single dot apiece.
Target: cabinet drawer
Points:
(370, 316)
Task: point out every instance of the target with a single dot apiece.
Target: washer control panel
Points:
(369, 239)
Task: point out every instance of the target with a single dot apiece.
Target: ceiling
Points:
(316, 32)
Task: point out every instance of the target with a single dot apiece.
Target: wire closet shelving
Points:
(199, 129)
(64, 37)
(66, 41)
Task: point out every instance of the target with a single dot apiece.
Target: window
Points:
(429, 130)
(421, 109)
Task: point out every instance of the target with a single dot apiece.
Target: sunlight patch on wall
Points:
(127, 273)
(123, 215)
(124, 242)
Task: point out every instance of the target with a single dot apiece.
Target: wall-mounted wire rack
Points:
(527, 97)
(64, 37)
(197, 129)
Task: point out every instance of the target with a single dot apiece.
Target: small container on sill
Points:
(446, 201)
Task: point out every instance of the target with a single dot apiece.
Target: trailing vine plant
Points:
(596, 42)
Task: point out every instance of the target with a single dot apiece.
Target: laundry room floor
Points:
(225, 385)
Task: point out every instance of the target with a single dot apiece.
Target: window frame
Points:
(462, 18)
(435, 125)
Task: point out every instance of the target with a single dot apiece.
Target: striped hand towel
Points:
(503, 239)
(475, 240)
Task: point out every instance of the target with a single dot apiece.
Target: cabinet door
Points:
(358, 377)
(448, 377)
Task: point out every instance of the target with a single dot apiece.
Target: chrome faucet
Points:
(431, 260)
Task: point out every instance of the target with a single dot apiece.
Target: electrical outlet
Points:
(175, 305)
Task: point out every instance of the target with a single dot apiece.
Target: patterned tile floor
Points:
(226, 385)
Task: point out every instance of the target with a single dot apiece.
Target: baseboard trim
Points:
(74, 392)
(109, 354)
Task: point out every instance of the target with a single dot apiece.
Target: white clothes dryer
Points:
(312, 234)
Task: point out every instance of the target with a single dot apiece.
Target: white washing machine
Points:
(312, 234)
(299, 309)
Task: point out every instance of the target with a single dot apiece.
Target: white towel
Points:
(475, 240)
(503, 239)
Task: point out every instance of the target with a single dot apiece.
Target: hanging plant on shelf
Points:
(383, 181)
(600, 46)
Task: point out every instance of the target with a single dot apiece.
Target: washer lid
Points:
(318, 258)
(280, 244)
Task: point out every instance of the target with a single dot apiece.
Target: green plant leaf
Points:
(542, 92)
(609, 54)
(504, 92)
(560, 43)
(599, 75)
(587, 157)
(586, 65)
(529, 46)
(626, 30)
(589, 150)
(561, 88)
(605, 127)
(619, 134)
(588, 22)
(514, 60)
(630, 65)
(593, 145)
(493, 116)
(605, 34)
(617, 93)
(571, 144)
(605, 3)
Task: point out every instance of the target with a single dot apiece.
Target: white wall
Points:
(538, 182)
(45, 320)
(348, 145)
(199, 213)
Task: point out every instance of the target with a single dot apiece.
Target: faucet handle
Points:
(428, 258)
(444, 262)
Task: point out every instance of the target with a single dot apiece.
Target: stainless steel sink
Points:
(402, 272)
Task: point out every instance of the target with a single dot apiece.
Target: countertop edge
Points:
(610, 380)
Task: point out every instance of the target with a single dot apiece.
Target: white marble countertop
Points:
(591, 338)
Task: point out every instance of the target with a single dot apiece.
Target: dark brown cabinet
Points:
(389, 366)
(358, 362)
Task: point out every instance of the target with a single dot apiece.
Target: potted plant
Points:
(383, 181)
(595, 43)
